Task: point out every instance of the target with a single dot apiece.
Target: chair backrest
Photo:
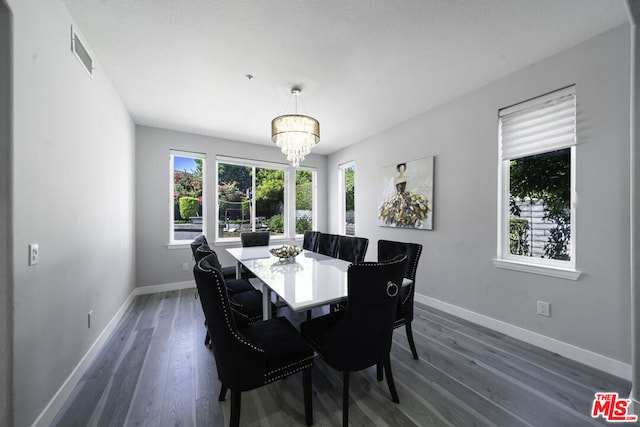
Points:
(198, 241)
(362, 337)
(310, 241)
(254, 238)
(328, 244)
(388, 249)
(241, 363)
(352, 249)
(202, 252)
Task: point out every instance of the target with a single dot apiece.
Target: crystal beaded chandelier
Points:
(295, 134)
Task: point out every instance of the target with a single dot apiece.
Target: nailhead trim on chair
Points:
(227, 314)
(286, 374)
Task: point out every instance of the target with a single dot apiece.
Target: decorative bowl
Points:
(285, 252)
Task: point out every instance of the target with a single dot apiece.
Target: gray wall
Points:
(456, 268)
(73, 193)
(6, 288)
(157, 264)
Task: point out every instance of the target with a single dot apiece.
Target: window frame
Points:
(543, 266)
(194, 155)
(254, 164)
(314, 203)
(342, 197)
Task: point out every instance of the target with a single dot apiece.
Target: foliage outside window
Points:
(251, 197)
(347, 199)
(539, 202)
(187, 204)
(305, 183)
(537, 185)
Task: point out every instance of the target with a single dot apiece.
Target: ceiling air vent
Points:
(81, 52)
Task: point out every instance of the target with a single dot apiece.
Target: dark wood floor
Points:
(155, 371)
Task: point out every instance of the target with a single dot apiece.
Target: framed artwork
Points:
(406, 199)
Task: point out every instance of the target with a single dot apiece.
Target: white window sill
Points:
(178, 245)
(562, 273)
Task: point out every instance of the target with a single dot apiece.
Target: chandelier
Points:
(295, 134)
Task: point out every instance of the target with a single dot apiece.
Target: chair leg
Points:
(223, 393)
(390, 383)
(379, 372)
(412, 345)
(235, 409)
(308, 402)
(345, 399)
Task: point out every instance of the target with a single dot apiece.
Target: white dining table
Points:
(309, 280)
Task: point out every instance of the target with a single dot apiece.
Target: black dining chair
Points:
(233, 285)
(328, 244)
(229, 271)
(247, 302)
(254, 238)
(250, 355)
(360, 336)
(388, 249)
(352, 249)
(310, 240)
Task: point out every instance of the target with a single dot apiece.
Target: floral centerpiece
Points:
(285, 252)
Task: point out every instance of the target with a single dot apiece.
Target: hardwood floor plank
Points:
(430, 402)
(528, 374)
(483, 381)
(124, 382)
(568, 369)
(148, 318)
(454, 394)
(148, 398)
(467, 375)
(209, 411)
(80, 410)
(179, 397)
(206, 373)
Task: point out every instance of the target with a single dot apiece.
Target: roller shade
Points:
(543, 124)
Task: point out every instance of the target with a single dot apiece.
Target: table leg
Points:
(238, 270)
(266, 302)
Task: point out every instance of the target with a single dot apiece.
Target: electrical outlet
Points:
(544, 309)
(34, 255)
(89, 316)
(185, 266)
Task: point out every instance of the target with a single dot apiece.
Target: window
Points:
(251, 197)
(186, 207)
(305, 198)
(347, 199)
(537, 185)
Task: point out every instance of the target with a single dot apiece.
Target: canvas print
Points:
(407, 195)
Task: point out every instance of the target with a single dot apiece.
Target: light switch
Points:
(34, 255)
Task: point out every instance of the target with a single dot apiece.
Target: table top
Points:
(310, 280)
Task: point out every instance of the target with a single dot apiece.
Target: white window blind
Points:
(543, 124)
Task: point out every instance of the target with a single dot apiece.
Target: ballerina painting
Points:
(407, 196)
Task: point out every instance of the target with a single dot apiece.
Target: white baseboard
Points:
(587, 357)
(51, 410)
(165, 287)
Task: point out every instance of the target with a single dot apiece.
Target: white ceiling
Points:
(363, 66)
